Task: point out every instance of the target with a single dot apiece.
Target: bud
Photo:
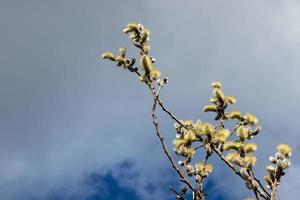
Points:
(268, 180)
(244, 173)
(280, 165)
(271, 169)
(189, 169)
(256, 131)
(248, 184)
(286, 164)
(181, 163)
(254, 184)
(146, 49)
(279, 156)
(272, 159)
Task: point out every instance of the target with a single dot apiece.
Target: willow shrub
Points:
(232, 145)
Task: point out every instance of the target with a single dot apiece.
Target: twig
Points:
(156, 99)
(161, 139)
(256, 195)
(198, 147)
(178, 196)
(274, 189)
(259, 183)
(263, 195)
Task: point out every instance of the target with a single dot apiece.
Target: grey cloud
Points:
(66, 113)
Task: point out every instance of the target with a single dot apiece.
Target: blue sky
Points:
(70, 120)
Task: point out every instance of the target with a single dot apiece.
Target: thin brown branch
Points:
(156, 100)
(178, 196)
(168, 111)
(259, 183)
(164, 146)
(274, 189)
(262, 194)
(256, 195)
(198, 147)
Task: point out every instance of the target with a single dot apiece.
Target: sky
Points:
(75, 127)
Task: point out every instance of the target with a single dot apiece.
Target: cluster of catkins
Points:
(280, 162)
(234, 144)
(239, 151)
(188, 133)
(139, 36)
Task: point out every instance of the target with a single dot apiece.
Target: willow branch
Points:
(275, 185)
(256, 195)
(262, 194)
(164, 146)
(259, 183)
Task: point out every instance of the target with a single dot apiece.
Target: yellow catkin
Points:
(146, 64)
(268, 180)
(235, 114)
(242, 132)
(225, 131)
(285, 149)
(218, 93)
(208, 129)
(232, 145)
(189, 152)
(250, 161)
(178, 142)
(109, 55)
(210, 108)
(250, 118)
(250, 147)
(230, 99)
(189, 136)
(244, 173)
(222, 135)
(154, 74)
(144, 35)
(216, 84)
(208, 168)
(232, 155)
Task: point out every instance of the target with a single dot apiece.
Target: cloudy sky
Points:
(74, 127)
